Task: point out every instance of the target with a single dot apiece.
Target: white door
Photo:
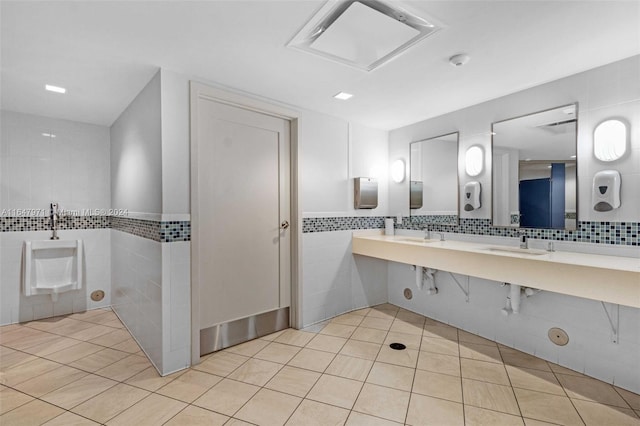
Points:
(243, 210)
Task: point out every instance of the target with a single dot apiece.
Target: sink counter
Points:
(606, 278)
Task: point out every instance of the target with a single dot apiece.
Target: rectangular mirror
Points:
(535, 170)
(434, 180)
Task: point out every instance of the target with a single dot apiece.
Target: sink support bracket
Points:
(613, 322)
(466, 292)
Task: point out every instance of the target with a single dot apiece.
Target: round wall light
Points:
(474, 160)
(610, 140)
(398, 171)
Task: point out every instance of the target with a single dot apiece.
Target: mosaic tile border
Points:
(442, 219)
(164, 232)
(615, 233)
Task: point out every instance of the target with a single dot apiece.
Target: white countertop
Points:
(613, 279)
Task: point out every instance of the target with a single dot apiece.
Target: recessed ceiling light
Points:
(343, 96)
(48, 135)
(459, 60)
(55, 88)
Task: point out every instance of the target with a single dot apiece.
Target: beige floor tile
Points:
(111, 339)
(150, 380)
(404, 358)
(189, 386)
(227, 396)
(360, 349)
(85, 315)
(442, 331)
(125, 368)
(48, 324)
(438, 385)
(538, 380)
(269, 408)
(277, 352)
(546, 407)
(411, 341)
(590, 389)
(19, 334)
(594, 414)
(295, 337)
(533, 422)
(362, 311)
(116, 323)
(69, 419)
(74, 353)
(58, 344)
(312, 360)
(315, 328)
(412, 317)
(294, 381)
(273, 336)
(152, 410)
(79, 391)
(377, 323)
(480, 352)
(466, 337)
(521, 359)
(390, 404)
(484, 371)
(489, 396)
(221, 363)
(237, 422)
(399, 326)
(336, 391)
(249, 348)
(439, 346)
(129, 345)
(369, 335)
(563, 370)
(23, 371)
(98, 360)
(71, 327)
(312, 413)
(392, 376)
(327, 343)
(350, 367)
(256, 372)
(196, 416)
(425, 410)
(33, 413)
(633, 399)
(474, 416)
(359, 419)
(50, 381)
(90, 333)
(348, 319)
(385, 307)
(10, 360)
(11, 398)
(31, 338)
(108, 404)
(438, 363)
(338, 330)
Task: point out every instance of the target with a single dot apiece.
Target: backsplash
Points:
(616, 233)
(160, 231)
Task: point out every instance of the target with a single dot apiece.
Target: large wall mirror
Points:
(434, 180)
(534, 170)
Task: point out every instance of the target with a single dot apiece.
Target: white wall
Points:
(71, 169)
(136, 154)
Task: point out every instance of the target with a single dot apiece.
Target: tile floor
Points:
(85, 369)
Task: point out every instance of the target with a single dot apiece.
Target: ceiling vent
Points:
(362, 34)
(559, 127)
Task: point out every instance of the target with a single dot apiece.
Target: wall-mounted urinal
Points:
(52, 267)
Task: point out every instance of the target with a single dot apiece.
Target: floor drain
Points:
(397, 346)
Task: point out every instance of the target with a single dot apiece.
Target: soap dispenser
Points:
(472, 196)
(606, 190)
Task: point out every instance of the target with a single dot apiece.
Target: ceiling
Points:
(104, 52)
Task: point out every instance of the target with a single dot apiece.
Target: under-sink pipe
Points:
(531, 291)
(419, 278)
(423, 273)
(512, 305)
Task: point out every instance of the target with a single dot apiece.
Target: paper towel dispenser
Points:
(365, 193)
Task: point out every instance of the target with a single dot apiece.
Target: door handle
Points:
(284, 224)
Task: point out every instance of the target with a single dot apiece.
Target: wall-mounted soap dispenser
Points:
(472, 196)
(606, 190)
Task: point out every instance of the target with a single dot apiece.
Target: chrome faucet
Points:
(54, 215)
(524, 243)
(428, 233)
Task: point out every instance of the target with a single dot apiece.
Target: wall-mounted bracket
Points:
(466, 292)
(613, 322)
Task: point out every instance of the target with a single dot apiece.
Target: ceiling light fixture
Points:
(362, 34)
(459, 60)
(55, 89)
(343, 96)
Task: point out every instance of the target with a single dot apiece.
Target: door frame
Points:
(200, 91)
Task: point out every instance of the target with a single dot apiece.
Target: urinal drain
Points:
(397, 346)
(97, 295)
